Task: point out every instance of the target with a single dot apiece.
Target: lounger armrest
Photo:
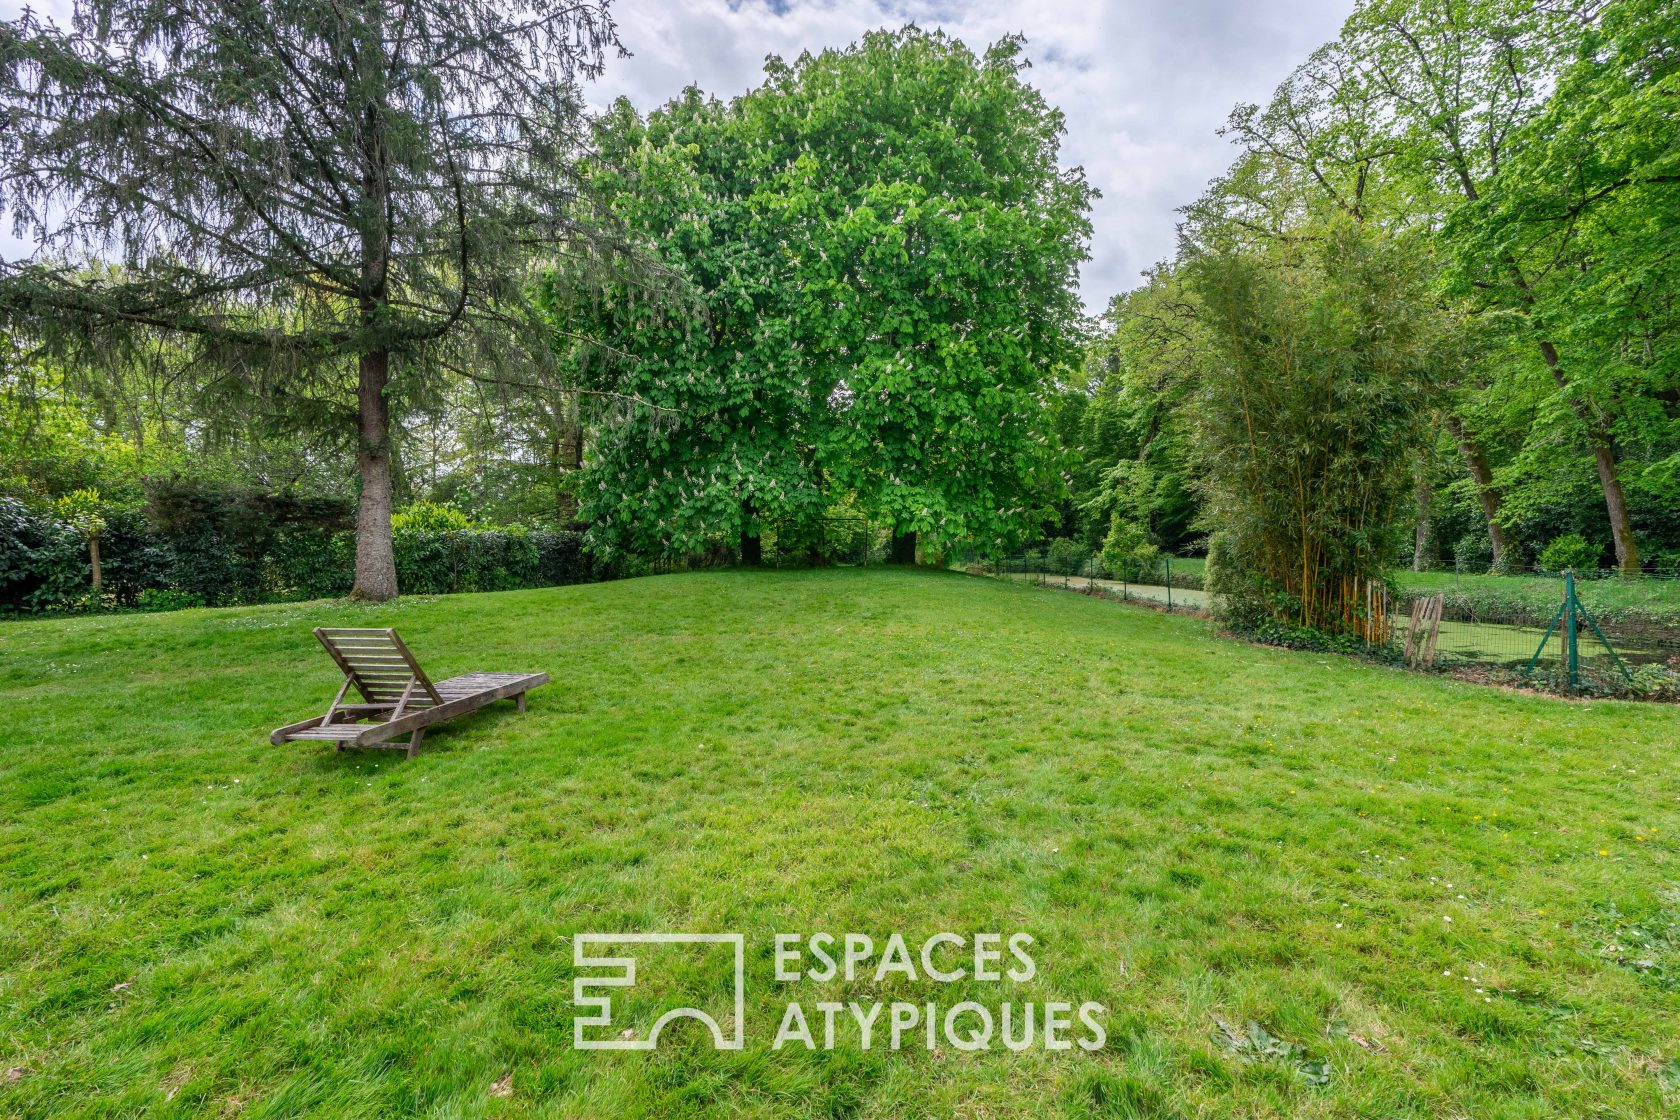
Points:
(282, 734)
(511, 685)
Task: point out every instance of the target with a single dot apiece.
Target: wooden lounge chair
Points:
(396, 694)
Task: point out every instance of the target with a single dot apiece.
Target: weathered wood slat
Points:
(400, 698)
(342, 732)
(510, 683)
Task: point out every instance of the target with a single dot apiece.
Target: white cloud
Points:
(1144, 83)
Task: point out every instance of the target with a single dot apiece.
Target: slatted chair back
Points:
(380, 666)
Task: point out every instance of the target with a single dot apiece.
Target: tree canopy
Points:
(296, 188)
(1521, 158)
(882, 251)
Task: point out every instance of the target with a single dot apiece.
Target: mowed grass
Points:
(1432, 899)
(1653, 595)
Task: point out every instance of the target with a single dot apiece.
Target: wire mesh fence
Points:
(1174, 583)
(1570, 631)
(1573, 631)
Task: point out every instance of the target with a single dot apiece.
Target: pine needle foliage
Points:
(297, 186)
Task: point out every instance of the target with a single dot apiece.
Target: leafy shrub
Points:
(428, 517)
(134, 556)
(1064, 556)
(1571, 550)
(307, 563)
(440, 563)
(1128, 552)
(1667, 563)
(1655, 682)
(563, 559)
(213, 568)
(42, 562)
(1269, 630)
(165, 599)
(207, 546)
(1473, 552)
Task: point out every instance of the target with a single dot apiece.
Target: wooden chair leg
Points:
(414, 741)
(520, 701)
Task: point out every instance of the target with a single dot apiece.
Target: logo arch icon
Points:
(607, 971)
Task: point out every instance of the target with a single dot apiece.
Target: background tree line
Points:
(1432, 305)
(382, 252)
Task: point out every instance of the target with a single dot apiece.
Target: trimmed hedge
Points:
(213, 552)
(442, 563)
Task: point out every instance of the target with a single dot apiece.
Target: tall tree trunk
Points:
(752, 545)
(1615, 503)
(98, 573)
(1420, 547)
(1604, 458)
(570, 461)
(376, 565)
(1476, 463)
(903, 548)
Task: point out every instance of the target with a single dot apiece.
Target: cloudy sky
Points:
(1144, 83)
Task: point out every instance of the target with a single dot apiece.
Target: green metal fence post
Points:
(1571, 606)
(1169, 583)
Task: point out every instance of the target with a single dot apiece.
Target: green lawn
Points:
(1433, 899)
(1650, 595)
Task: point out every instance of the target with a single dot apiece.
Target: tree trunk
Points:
(1476, 463)
(903, 548)
(98, 574)
(376, 565)
(1420, 548)
(571, 461)
(752, 545)
(1615, 502)
(1604, 457)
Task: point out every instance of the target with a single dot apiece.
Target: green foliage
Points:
(1126, 438)
(298, 192)
(1472, 552)
(305, 562)
(40, 560)
(218, 546)
(1571, 551)
(1065, 556)
(50, 445)
(158, 599)
(1127, 551)
(1530, 150)
(1318, 366)
(428, 517)
(1656, 682)
(82, 511)
(880, 250)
